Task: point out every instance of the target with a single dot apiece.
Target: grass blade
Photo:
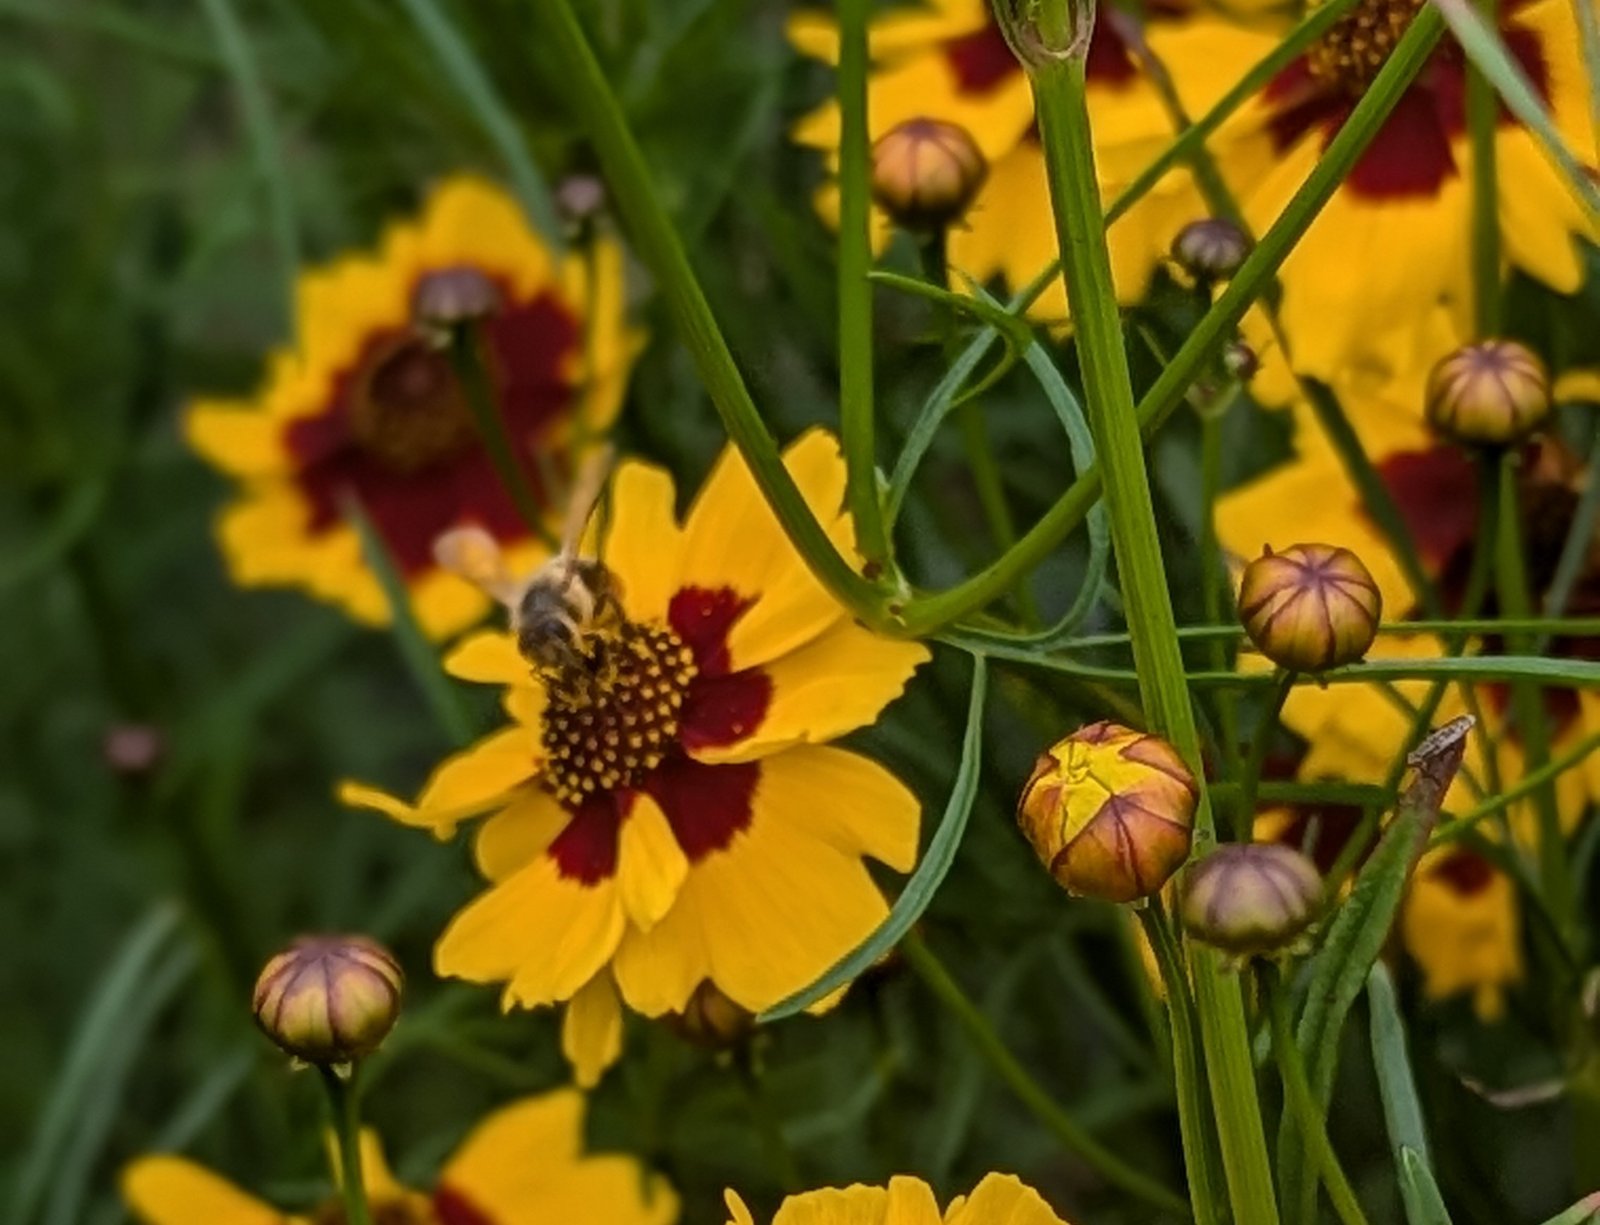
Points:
(1401, 1110)
(1420, 1194)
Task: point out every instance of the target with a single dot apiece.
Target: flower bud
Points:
(133, 749)
(447, 297)
(1309, 608)
(581, 198)
(1210, 249)
(1250, 898)
(710, 1019)
(1489, 394)
(1240, 361)
(329, 999)
(1110, 812)
(926, 173)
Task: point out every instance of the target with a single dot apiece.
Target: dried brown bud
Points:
(1251, 898)
(926, 173)
(133, 749)
(329, 999)
(1309, 608)
(1489, 394)
(450, 296)
(1211, 249)
(1110, 812)
(710, 1019)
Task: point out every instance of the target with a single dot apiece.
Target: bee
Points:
(555, 612)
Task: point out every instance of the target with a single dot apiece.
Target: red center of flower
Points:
(394, 432)
(385, 1212)
(451, 1207)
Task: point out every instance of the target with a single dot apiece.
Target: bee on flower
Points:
(365, 407)
(666, 808)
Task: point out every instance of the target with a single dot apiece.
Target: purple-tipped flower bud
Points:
(450, 296)
(1211, 249)
(1309, 608)
(1251, 898)
(1110, 812)
(580, 197)
(329, 999)
(926, 173)
(1489, 394)
(712, 1020)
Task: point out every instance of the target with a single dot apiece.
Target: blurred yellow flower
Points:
(908, 1201)
(365, 406)
(523, 1163)
(705, 829)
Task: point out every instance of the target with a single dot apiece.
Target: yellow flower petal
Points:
(376, 1177)
(849, 801)
(591, 1030)
(469, 220)
(644, 545)
(1581, 386)
(490, 657)
(518, 834)
(239, 439)
(841, 1206)
(477, 780)
(832, 685)
(1002, 1198)
(1463, 940)
(651, 866)
(165, 1190)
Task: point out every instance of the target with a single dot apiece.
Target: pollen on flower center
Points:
(1350, 54)
(613, 713)
(407, 409)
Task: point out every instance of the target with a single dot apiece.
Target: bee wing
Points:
(472, 554)
(584, 496)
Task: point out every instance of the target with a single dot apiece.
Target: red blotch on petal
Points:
(1436, 492)
(723, 710)
(454, 1208)
(1464, 872)
(707, 806)
(703, 617)
(981, 61)
(586, 850)
(1409, 155)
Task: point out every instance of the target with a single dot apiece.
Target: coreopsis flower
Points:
(524, 1162)
(364, 406)
(1310, 607)
(1468, 940)
(329, 999)
(1393, 244)
(666, 808)
(1251, 897)
(1110, 812)
(947, 60)
(909, 1201)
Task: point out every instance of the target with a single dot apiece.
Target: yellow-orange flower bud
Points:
(926, 173)
(1110, 812)
(1251, 898)
(329, 999)
(1311, 607)
(1489, 394)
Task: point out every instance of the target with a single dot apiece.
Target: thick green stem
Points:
(1063, 1126)
(855, 291)
(1060, 104)
(1483, 117)
(657, 243)
(347, 1172)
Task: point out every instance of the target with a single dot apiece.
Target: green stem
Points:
(1580, 535)
(1062, 1125)
(1214, 586)
(343, 1108)
(658, 245)
(1266, 725)
(855, 291)
(466, 355)
(1527, 704)
(1302, 1105)
(1483, 117)
(1527, 785)
(930, 613)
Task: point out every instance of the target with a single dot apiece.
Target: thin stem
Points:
(1214, 587)
(1266, 725)
(1062, 1125)
(343, 1108)
(1300, 1102)
(1483, 117)
(658, 245)
(1527, 785)
(855, 291)
(1580, 536)
(466, 355)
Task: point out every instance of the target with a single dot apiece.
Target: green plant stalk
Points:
(1061, 106)
(1250, 778)
(1527, 704)
(930, 613)
(1528, 784)
(1483, 116)
(1062, 1125)
(657, 243)
(1214, 588)
(343, 1109)
(856, 424)
(1301, 1103)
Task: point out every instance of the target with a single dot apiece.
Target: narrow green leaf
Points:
(1488, 53)
(1401, 1110)
(1585, 1212)
(465, 71)
(1424, 1204)
(930, 873)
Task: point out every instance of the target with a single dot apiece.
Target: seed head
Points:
(1309, 608)
(1489, 394)
(926, 173)
(1250, 898)
(1210, 249)
(1110, 812)
(329, 999)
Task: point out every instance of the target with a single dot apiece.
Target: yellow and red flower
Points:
(525, 1162)
(909, 1201)
(948, 61)
(668, 810)
(364, 406)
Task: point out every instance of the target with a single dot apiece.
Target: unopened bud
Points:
(710, 1019)
(1251, 898)
(1110, 812)
(1489, 394)
(926, 173)
(1210, 249)
(133, 749)
(1311, 607)
(1240, 361)
(447, 297)
(329, 999)
(581, 198)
